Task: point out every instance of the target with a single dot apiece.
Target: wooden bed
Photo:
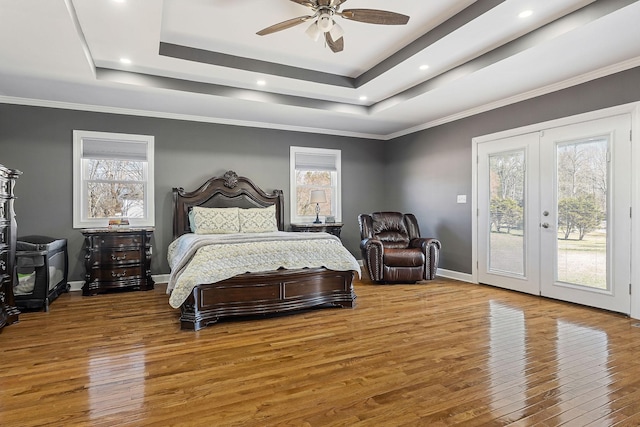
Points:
(253, 293)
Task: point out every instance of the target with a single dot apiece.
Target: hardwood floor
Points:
(434, 354)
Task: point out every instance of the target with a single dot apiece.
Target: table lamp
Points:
(317, 197)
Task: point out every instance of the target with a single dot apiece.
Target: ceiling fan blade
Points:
(284, 25)
(335, 45)
(374, 16)
(337, 3)
(307, 3)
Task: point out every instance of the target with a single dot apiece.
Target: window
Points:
(315, 169)
(112, 178)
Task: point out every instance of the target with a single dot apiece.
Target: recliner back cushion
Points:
(390, 229)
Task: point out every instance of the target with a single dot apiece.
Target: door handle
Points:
(545, 225)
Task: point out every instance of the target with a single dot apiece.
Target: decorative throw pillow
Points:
(258, 220)
(192, 221)
(216, 220)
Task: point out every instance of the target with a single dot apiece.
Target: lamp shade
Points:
(336, 31)
(313, 32)
(318, 196)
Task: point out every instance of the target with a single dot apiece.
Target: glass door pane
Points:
(582, 183)
(507, 203)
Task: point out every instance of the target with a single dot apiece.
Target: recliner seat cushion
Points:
(410, 257)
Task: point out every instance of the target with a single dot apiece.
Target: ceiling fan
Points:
(324, 11)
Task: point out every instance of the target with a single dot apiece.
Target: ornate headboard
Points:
(227, 191)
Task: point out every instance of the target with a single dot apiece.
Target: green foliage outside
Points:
(580, 214)
(505, 213)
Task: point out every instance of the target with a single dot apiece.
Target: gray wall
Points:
(420, 173)
(38, 141)
(427, 169)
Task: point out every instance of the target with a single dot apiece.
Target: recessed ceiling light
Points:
(261, 83)
(525, 13)
(424, 67)
(119, 1)
(363, 98)
(125, 61)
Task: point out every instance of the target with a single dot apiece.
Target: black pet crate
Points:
(42, 266)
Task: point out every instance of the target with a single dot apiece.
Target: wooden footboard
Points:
(264, 293)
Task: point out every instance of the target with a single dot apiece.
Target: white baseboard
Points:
(450, 274)
(76, 285)
(161, 278)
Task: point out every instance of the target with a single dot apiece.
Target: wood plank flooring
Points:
(439, 353)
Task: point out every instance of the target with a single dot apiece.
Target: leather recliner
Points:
(393, 250)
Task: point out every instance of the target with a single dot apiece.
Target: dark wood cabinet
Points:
(331, 228)
(117, 259)
(8, 232)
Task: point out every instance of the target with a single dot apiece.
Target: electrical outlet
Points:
(462, 198)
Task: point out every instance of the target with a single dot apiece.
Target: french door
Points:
(554, 213)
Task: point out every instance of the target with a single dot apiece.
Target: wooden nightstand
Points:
(117, 259)
(332, 228)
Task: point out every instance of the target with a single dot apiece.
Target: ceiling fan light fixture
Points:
(336, 31)
(325, 23)
(323, 12)
(313, 32)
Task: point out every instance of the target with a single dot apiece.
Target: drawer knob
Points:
(122, 274)
(118, 258)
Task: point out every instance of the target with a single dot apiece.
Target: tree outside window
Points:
(315, 169)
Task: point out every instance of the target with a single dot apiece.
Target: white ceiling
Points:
(66, 53)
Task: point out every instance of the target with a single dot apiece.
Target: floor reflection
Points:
(507, 356)
(577, 347)
(561, 372)
(116, 383)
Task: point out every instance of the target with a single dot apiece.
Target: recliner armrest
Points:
(424, 243)
(366, 243)
(373, 251)
(430, 247)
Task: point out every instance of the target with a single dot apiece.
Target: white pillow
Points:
(216, 220)
(258, 220)
(192, 222)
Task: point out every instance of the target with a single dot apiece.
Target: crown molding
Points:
(185, 117)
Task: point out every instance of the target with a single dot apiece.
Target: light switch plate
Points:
(462, 198)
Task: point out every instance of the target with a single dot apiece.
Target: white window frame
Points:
(336, 188)
(80, 219)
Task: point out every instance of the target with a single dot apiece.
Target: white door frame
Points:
(634, 110)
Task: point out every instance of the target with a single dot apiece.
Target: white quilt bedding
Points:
(197, 259)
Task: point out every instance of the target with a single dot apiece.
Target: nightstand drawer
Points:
(120, 273)
(118, 241)
(110, 256)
